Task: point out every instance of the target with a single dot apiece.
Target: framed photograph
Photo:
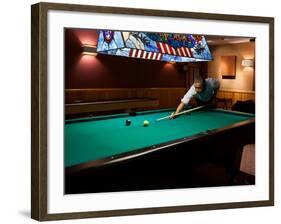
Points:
(138, 111)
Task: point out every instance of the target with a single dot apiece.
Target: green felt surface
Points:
(106, 136)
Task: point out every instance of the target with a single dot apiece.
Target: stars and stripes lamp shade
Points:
(154, 46)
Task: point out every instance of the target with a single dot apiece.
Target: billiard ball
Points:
(128, 122)
(145, 123)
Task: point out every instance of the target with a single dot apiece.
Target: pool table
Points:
(105, 154)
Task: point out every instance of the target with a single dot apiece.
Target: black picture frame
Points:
(39, 106)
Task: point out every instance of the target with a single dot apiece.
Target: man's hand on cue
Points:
(179, 108)
(173, 115)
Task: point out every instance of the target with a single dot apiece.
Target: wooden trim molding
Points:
(109, 105)
(237, 91)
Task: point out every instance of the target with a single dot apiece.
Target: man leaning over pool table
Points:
(203, 90)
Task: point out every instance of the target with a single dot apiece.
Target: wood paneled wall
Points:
(168, 97)
(236, 95)
(245, 77)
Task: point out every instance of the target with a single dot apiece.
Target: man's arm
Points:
(179, 108)
(184, 101)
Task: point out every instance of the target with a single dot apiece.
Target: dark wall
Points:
(103, 71)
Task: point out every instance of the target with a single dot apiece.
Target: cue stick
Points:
(183, 112)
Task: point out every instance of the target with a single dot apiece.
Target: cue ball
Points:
(128, 122)
(145, 123)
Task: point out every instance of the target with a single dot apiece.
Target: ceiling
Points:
(223, 40)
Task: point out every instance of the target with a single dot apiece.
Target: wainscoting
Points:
(168, 97)
(233, 96)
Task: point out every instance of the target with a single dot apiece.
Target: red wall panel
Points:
(104, 71)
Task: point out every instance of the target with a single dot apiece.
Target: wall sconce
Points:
(247, 63)
(88, 49)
